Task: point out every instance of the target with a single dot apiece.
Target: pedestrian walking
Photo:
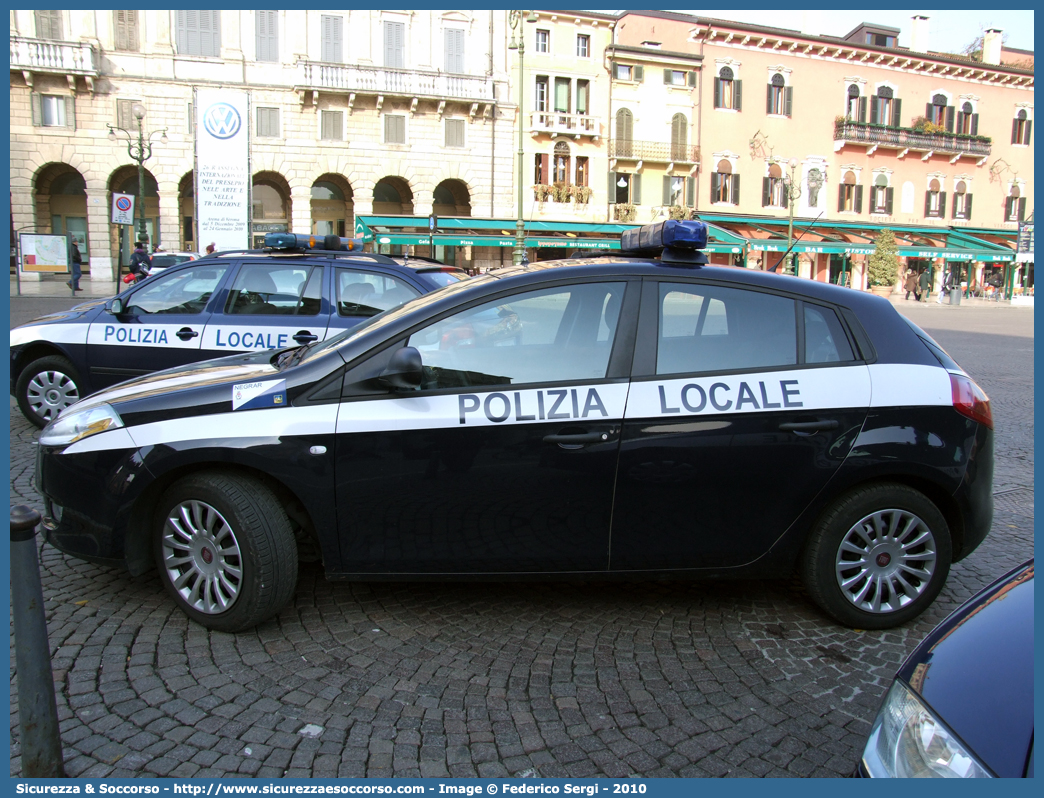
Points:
(924, 282)
(945, 288)
(77, 269)
(910, 285)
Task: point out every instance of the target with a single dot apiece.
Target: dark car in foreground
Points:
(638, 414)
(299, 289)
(961, 706)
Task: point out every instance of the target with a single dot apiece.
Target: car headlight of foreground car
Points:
(71, 427)
(908, 741)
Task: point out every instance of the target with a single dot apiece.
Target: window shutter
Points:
(187, 35)
(737, 93)
(690, 191)
(545, 162)
(332, 29)
(717, 92)
(942, 205)
(454, 50)
(49, 25)
(1022, 208)
(37, 113)
(454, 132)
(765, 194)
(636, 191)
(840, 197)
(715, 186)
(889, 196)
(929, 112)
(859, 199)
(1029, 127)
(691, 79)
(950, 112)
(735, 189)
(927, 204)
(666, 76)
(874, 111)
(967, 206)
(862, 109)
(612, 186)
(768, 99)
(267, 36)
(70, 113)
(897, 108)
(788, 110)
(960, 122)
(1014, 130)
(125, 24)
(393, 44)
(975, 125)
(639, 73)
(666, 190)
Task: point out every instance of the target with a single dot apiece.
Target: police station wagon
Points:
(301, 289)
(629, 415)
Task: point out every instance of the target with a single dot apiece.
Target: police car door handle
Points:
(305, 337)
(809, 427)
(581, 438)
(185, 333)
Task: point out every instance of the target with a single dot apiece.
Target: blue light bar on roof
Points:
(301, 241)
(672, 234)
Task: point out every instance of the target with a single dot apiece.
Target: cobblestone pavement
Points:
(634, 679)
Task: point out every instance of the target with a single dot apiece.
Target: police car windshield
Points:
(387, 317)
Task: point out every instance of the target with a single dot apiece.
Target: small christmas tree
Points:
(883, 268)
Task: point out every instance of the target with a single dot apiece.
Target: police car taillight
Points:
(970, 400)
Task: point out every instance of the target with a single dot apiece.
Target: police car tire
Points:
(266, 541)
(50, 363)
(822, 549)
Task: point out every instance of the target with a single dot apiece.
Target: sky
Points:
(949, 31)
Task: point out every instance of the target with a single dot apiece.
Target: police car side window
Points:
(185, 291)
(276, 290)
(712, 328)
(550, 335)
(825, 339)
(368, 293)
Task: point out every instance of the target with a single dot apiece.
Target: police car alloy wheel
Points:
(225, 550)
(45, 388)
(878, 557)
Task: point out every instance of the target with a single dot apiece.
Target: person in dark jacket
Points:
(139, 261)
(924, 282)
(77, 268)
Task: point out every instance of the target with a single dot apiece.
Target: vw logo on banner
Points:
(221, 121)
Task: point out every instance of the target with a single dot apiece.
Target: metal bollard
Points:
(37, 710)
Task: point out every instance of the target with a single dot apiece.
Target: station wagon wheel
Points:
(46, 387)
(225, 550)
(878, 557)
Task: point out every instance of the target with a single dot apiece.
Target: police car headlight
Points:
(907, 740)
(76, 426)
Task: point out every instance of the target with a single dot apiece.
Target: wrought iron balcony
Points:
(654, 151)
(53, 57)
(560, 124)
(905, 138)
(318, 75)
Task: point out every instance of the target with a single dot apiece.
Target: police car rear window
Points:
(944, 359)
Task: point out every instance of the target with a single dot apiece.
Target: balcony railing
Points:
(657, 151)
(903, 138)
(383, 80)
(41, 55)
(565, 124)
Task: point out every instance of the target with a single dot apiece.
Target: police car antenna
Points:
(783, 257)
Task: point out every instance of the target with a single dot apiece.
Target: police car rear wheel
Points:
(225, 550)
(878, 557)
(45, 388)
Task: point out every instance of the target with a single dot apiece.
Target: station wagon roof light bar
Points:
(675, 241)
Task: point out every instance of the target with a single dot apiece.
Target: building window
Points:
(583, 170)
(454, 132)
(882, 195)
(51, 110)
(780, 97)
(332, 125)
(199, 33)
(623, 72)
(267, 35)
(125, 26)
(394, 129)
(1021, 126)
(540, 103)
(454, 51)
(562, 95)
(332, 30)
(543, 41)
(125, 114)
(561, 163)
(395, 45)
(583, 94)
(625, 188)
(773, 188)
(679, 190)
(674, 77)
(583, 45)
(268, 123)
(880, 39)
(728, 90)
(540, 167)
(934, 200)
(968, 121)
(1015, 206)
(939, 113)
(850, 196)
(624, 133)
(724, 184)
(679, 138)
(962, 201)
(885, 108)
(49, 25)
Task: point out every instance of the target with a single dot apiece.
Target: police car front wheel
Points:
(45, 388)
(225, 550)
(878, 556)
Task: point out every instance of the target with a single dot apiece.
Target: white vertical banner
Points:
(222, 168)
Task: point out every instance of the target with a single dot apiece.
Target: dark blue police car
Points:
(617, 416)
(300, 289)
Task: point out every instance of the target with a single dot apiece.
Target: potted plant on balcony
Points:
(560, 192)
(882, 270)
(922, 125)
(625, 212)
(540, 192)
(581, 194)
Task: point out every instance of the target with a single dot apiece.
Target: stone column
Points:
(102, 264)
(423, 201)
(301, 209)
(169, 216)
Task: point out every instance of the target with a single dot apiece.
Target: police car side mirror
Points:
(404, 371)
(115, 306)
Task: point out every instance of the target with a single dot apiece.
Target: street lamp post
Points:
(518, 43)
(793, 189)
(139, 150)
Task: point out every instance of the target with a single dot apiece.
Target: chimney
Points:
(991, 46)
(919, 33)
